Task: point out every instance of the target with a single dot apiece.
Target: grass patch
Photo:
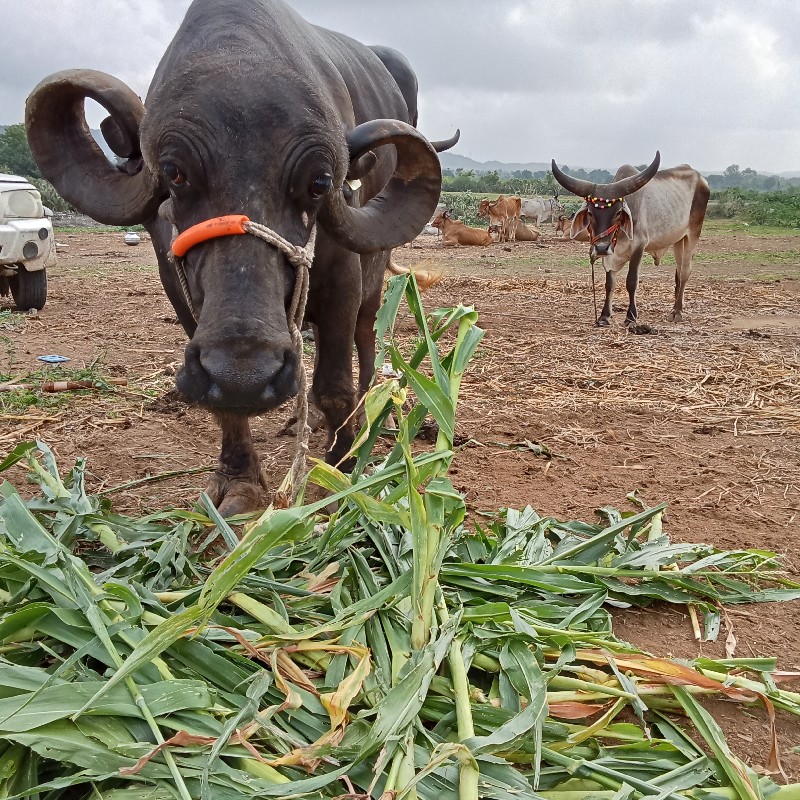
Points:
(96, 229)
(774, 277)
(724, 227)
(22, 400)
(108, 270)
(772, 257)
(12, 320)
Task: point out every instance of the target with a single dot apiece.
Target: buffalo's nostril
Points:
(240, 375)
(258, 380)
(246, 375)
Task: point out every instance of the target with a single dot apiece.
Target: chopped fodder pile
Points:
(382, 650)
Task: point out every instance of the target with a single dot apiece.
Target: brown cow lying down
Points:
(527, 233)
(564, 226)
(457, 233)
(524, 233)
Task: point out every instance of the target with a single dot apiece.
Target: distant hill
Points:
(454, 161)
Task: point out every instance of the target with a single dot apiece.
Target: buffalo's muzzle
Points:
(251, 382)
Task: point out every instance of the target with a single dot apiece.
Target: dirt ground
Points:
(704, 414)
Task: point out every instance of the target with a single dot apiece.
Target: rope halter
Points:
(613, 231)
(301, 259)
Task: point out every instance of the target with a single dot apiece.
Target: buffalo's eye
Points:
(320, 185)
(172, 172)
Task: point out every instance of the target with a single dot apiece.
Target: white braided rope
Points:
(301, 259)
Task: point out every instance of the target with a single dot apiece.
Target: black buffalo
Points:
(254, 111)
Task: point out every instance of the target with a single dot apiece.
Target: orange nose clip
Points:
(231, 225)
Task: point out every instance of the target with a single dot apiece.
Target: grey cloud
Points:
(596, 84)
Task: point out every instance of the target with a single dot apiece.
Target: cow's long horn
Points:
(446, 144)
(73, 162)
(620, 188)
(401, 210)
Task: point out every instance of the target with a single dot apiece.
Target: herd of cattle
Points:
(639, 212)
(319, 146)
(508, 219)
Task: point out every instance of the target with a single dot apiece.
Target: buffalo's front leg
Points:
(334, 393)
(235, 486)
(373, 267)
(333, 389)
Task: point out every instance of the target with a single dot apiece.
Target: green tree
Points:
(601, 176)
(15, 154)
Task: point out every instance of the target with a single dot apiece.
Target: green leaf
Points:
(19, 713)
(743, 779)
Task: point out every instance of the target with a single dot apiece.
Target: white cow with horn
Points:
(647, 211)
(540, 209)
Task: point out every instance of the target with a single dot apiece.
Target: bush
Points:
(777, 209)
(50, 197)
(540, 183)
(463, 206)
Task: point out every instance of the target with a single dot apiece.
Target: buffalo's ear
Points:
(626, 225)
(359, 167)
(580, 222)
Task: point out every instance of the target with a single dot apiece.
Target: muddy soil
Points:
(704, 414)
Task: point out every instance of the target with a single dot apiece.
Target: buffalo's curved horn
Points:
(446, 144)
(73, 162)
(403, 207)
(620, 188)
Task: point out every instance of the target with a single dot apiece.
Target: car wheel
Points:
(29, 289)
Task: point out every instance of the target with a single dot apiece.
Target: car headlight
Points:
(30, 250)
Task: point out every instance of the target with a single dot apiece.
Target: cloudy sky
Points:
(710, 83)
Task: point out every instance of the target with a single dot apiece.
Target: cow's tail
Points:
(426, 278)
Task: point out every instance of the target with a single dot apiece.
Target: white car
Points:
(27, 247)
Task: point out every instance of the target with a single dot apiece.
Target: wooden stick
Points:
(162, 476)
(695, 622)
(63, 386)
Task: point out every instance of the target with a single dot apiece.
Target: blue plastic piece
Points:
(53, 359)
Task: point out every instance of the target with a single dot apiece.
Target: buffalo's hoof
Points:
(676, 316)
(234, 496)
(603, 322)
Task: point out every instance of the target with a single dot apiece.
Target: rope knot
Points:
(296, 255)
(301, 259)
